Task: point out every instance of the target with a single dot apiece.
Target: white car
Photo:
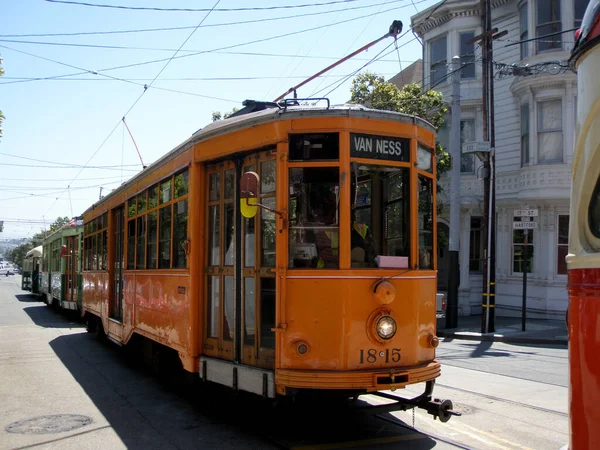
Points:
(6, 269)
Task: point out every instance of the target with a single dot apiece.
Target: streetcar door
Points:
(116, 279)
(71, 269)
(258, 267)
(220, 315)
(240, 306)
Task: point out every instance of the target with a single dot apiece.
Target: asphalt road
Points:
(63, 388)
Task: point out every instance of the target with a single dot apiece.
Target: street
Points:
(61, 387)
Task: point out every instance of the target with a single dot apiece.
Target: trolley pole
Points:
(454, 241)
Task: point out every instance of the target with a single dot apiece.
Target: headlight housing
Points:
(386, 327)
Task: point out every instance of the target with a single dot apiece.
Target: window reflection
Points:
(380, 216)
(314, 212)
(425, 202)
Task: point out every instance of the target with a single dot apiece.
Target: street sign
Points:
(525, 212)
(524, 225)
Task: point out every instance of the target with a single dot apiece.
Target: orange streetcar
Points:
(583, 261)
(285, 249)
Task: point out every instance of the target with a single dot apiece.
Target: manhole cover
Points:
(57, 423)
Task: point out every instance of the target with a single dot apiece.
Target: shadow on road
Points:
(174, 409)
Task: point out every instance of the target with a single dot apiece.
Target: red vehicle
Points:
(584, 241)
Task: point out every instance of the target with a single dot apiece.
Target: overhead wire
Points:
(148, 8)
(140, 96)
(223, 24)
(127, 66)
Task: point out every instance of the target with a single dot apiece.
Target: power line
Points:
(138, 99)
(36, 166)
(243, 22)
(58, 163)
(146, 8)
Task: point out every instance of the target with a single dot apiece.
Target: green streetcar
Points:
(61, 267)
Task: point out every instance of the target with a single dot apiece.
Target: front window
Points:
(550, 138)
(548, 22)
(524, 135)
(380, 216)
(563, 244)
(467, 55)
(438, 58)
(314, 215)
(467, 134)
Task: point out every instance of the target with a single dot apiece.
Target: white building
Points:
(534, 128)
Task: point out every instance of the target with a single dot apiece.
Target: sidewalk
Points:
(507, 329)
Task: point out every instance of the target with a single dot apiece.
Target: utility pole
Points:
(454, 241)
(489, 187)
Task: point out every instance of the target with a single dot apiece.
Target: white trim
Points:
(249, 379)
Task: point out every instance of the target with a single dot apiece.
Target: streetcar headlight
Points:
(386, 327)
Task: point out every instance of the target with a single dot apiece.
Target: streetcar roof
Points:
(239, 121)
(34, 252)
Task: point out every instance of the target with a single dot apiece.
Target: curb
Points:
(470, 336)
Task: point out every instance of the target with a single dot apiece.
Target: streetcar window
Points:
(314, 213)
(181, 183)
(165, 191)
(180, 234)
(152, 238)
(594, 211)
(153, 197)
(380, 215)
(314, 147)
(425, 218)
(141, 243)
(164, 237)
(424, 159)
(267, 312)
(130, 244)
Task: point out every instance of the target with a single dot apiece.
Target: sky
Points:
(73, 72)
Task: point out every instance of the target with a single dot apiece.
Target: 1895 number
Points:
(371, 355)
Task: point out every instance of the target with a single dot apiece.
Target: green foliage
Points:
(374, 92)
(216, 115)
(57, 224)
(17, 254)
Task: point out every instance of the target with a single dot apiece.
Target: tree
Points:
(17, 254)
(216, 115)
(373, 91)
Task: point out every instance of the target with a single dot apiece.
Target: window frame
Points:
(95, 243)
(540, 130)
(480, 230)
(541, 45)
(469, 65)
(525, 135)
(524, 31)
(134, 215)
(433, 65)
(467, 157)
(530, 245)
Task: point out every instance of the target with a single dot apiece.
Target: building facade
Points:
(535, 103)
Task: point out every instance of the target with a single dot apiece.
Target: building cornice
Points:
(447, 12)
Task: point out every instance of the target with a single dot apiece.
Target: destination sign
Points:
(379, 147)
